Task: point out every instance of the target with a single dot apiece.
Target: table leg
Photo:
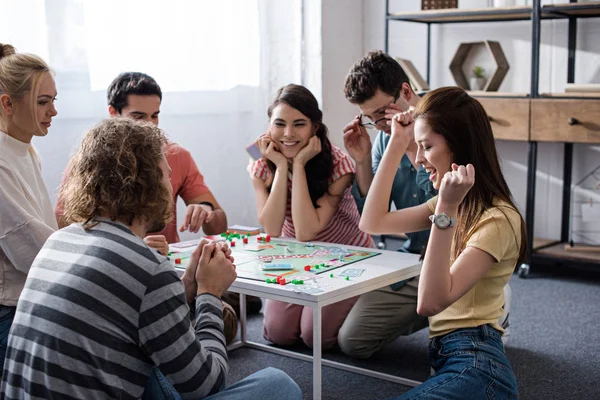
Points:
(317, 352)
(243, 318)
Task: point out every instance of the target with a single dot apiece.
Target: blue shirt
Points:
(411, 188)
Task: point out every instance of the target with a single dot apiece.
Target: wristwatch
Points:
(442, 220)
(208, 203)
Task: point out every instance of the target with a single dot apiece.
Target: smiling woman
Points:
(302, 186)
(27, 94)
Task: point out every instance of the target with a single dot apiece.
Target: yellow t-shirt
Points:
(498, 233)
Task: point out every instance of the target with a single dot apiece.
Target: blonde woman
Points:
(27, 95)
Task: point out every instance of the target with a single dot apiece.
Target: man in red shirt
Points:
(138, 96)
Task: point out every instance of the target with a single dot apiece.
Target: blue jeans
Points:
(470, 364)
(7, 314)
(266, 384)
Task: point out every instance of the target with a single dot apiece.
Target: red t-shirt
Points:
(187, 182)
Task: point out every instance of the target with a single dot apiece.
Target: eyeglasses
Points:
(367, 123)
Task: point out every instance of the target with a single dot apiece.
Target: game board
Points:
(303, 259)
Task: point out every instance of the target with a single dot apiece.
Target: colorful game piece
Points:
(309, 244)
(268, 238)
(317, 266)
(232, 244)
(169, 254)
(258, 238)
(347, 278)
(307, 268)
(331, 275)
(245, 240)
(178, 261)
(300, 282)
(282, 281)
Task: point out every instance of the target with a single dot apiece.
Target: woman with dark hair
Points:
(303, 190)
(477, 237)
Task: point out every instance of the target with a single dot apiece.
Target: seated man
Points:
(101, 313)
(138, 96)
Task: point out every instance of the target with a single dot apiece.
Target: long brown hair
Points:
(320, 168)
(117, 173)
(464, 124)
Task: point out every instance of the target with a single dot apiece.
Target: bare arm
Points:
(364, 175)
(441, 284)
(271, 207)
(308, 220)
(376, 217)
(215, 221)
(358, 145)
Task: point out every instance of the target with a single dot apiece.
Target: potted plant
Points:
(477, 81)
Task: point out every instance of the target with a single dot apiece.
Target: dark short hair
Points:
(116, 172)
(376, 70)
(131, 83)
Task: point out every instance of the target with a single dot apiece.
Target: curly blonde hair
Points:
(116, 173)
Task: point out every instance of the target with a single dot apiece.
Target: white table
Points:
(380, 271)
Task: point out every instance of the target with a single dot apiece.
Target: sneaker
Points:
(230, 323)
(503, 320)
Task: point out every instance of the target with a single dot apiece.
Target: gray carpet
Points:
(554, 346)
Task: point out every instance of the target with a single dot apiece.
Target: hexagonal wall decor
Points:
(495, 50)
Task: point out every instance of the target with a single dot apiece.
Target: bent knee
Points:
(355, 348)
(326, 342)
(279, 335)
(286, 387)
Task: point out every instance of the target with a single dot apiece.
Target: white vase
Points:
(476, 83)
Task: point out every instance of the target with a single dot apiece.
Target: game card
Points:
(276, 267)
(254, 151)
(352, 272)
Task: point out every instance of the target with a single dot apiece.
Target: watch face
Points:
(442, 221)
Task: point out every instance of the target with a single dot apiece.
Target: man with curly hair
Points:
(104, 316)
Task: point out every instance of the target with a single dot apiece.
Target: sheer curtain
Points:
(218, 64)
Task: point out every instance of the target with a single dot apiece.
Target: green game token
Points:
(347, 278)
(317, 266)
(300, 282)
(331, 275)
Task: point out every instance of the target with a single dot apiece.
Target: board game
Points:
(278, 261)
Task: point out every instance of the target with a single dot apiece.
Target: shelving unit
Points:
(500, 103)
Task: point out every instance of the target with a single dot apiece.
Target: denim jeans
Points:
(469, 364)
(7, 314)
(266, 384)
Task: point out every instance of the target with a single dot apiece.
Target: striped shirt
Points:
(343, 227)
(99, 310)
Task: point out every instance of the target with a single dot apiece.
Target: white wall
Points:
(215, 126)
(336, 34)
(408, 40)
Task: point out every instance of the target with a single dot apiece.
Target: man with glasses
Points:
(376, 83)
